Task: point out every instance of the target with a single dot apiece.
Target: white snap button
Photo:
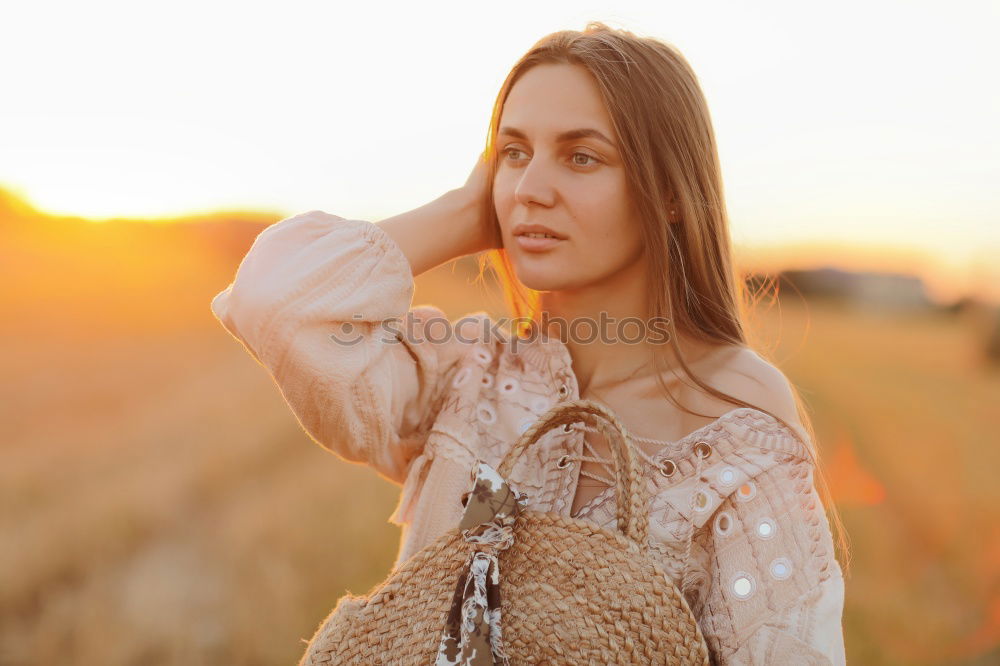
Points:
(727, 476)
(766, 528)
(743, 585)
(746, 492)
(461, 377)
(781, 568)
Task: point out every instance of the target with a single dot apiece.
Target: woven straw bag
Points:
(525, 587)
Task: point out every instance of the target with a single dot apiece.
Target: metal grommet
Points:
(563, 462)
(703, 449)
(667, 467)
(563, 390)
(567, 427)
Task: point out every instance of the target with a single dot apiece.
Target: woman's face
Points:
(574, 185)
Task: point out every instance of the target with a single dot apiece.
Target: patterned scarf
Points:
(471, 636)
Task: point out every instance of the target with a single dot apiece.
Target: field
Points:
(161, 504)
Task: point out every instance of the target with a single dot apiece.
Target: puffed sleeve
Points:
(323, 303)
(774, 592)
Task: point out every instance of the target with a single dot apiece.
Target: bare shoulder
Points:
(742, 373)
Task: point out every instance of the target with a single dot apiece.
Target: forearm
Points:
(436, 232)
(303, 279)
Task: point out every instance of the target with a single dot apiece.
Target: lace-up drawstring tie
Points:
(702, 449)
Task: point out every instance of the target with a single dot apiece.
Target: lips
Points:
(535, 229)
(530, 244)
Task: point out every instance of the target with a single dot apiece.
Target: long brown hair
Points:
(671, 161)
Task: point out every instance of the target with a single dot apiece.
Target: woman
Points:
(598, 199)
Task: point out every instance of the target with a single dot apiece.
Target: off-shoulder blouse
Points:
(734, 516)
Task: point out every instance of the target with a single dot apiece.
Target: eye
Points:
(593, 160)
(506, 151)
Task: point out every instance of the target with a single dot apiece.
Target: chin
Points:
(544, 279)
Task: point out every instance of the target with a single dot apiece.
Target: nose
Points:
(535, 184)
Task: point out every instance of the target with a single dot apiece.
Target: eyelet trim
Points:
(746, 492)
(509, 385)
(780, 568)
(563, 462)
(727, 476)
(461, 377)
(487, 380)
(483, 355)
(485, 413)
(563, 390)
(723, 523)
(742, 585)
(567, 427)
(702, 502)
(766, 527)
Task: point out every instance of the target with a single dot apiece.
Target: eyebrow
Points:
(563, 137)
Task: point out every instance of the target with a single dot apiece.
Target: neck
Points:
(603, 360)
(599, 357)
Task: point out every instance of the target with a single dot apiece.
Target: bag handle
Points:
(630, 486)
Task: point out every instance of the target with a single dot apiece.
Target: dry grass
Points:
(162, 505)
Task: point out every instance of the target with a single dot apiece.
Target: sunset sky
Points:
(840, 125)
